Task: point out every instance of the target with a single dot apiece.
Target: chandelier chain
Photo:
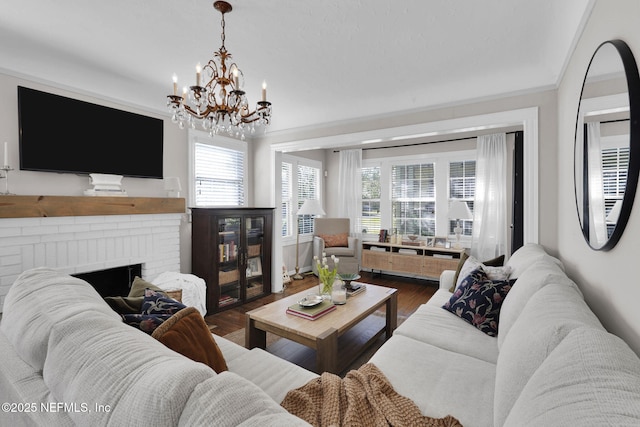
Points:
(222, 36)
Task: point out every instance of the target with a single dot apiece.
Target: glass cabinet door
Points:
(254, 229)
(229, 245)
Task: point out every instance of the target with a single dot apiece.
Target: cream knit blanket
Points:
(363, 398)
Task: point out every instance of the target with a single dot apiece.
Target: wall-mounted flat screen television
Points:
(60, 134)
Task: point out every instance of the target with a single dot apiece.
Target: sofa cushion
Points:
(542, 272)
(592, 378)
(478, 301)
(525, 256)
(229, 349)
(39, 299)
(187, 333)
(546, 319)
(440, 382)
(20, 383)
(229, 400)
(335, 240)
(433, 325)
(259, 367)
(93, 361)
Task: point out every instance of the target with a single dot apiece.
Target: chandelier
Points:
(220, 106)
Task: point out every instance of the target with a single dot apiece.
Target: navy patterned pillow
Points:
(478, 301)
(158, 303)
(145, 322)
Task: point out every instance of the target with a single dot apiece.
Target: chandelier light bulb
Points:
(236, 81)
(198, 73)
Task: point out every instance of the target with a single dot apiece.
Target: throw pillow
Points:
(335, 240)
(132, 303)
(158, 303)
(187, 333)
(145, 322)
(478, 301)
(468, 263)
(140, 285)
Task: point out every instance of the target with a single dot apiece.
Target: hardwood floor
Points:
(411, 294)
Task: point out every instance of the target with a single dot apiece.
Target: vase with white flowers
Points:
(327, 276)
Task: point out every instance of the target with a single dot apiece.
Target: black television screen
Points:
(60, 134)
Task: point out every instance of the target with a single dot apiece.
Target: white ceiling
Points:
(323, 61)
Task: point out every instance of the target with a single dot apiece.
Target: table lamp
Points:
(459, 210)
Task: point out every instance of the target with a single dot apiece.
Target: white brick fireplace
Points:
(80, 244)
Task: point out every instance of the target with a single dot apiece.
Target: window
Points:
(412, 195)
(413, 199)
(462, 186)
(219, 175)
(370, 213)
(300, 181)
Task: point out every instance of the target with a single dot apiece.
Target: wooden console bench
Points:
(425, 261)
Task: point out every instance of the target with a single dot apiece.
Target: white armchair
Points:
(331, 236)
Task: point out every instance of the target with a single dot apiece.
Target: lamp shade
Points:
(172, 183)
(459, 210)
(311, 207)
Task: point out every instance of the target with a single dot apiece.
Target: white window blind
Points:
(462, 186)
(219, 175)
(615, 166)
(413, 199)
(370, 213)
(308, 188)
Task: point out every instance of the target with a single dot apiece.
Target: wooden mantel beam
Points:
(52, 206)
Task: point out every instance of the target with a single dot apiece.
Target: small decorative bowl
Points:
(413, 237)
(310, 300)
(348, 277)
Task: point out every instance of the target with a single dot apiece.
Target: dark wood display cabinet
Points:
(231, 251)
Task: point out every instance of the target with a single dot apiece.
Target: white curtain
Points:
(350, 185)
(597, 223)
(490, 223)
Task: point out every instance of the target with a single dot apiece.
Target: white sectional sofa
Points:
(66, 358)
(552, 362)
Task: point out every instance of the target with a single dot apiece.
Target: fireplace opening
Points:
(112, 282)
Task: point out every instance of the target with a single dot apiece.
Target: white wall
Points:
(607, 279)
(48, 183)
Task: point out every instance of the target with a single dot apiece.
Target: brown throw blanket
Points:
(363, 398)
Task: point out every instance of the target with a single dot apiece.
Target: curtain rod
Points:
(425, 143)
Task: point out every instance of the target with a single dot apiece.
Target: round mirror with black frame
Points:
(607, 161)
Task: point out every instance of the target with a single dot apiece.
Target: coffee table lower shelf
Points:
(359, 342)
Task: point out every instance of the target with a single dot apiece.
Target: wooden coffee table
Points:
(322, 334)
